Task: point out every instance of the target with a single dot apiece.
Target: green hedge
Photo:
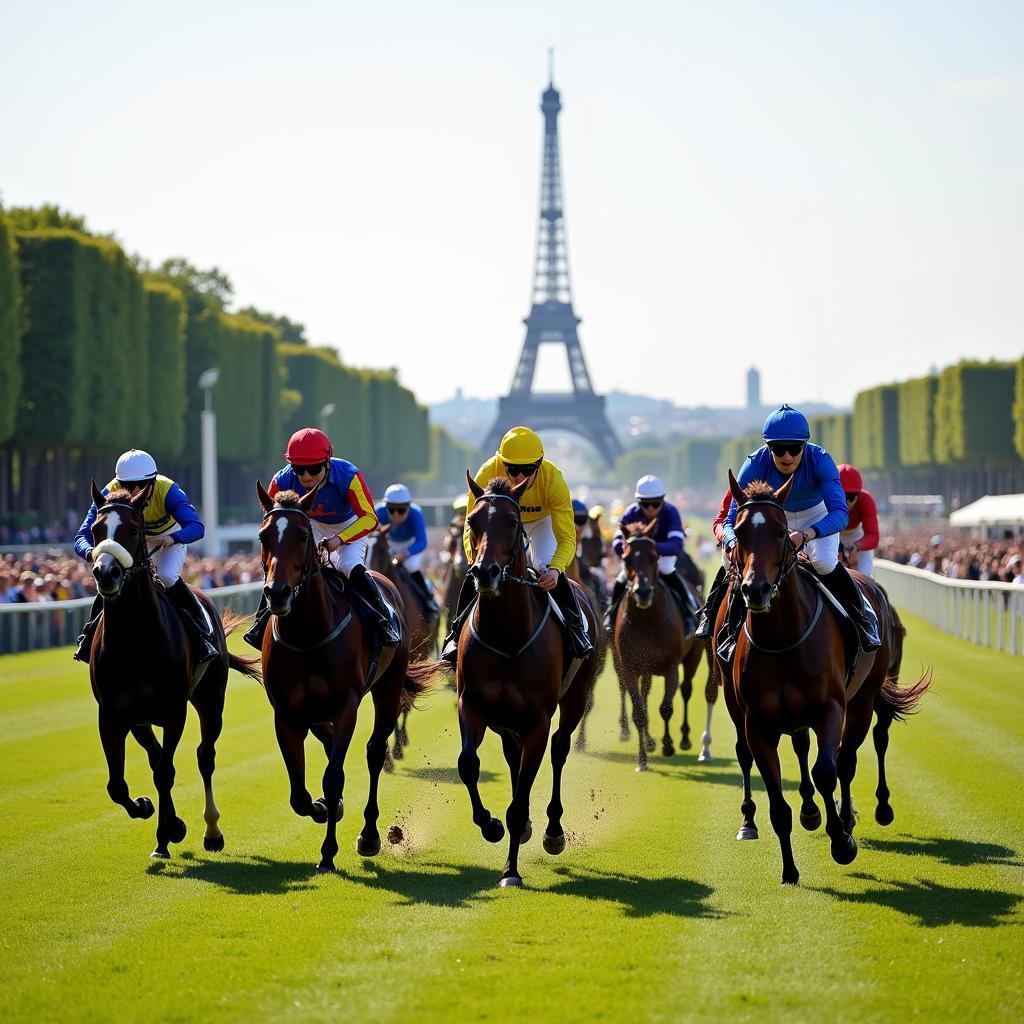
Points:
(638, 462)
(734, 453)
(165, 333)
(10, 330)
(875, 432)
(917, 421)
(834, 434)
(974, 419)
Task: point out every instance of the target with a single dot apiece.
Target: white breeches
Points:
(542, 543)
(412, 562)
(666, 563)
(348, 556)
(863, 561)
(822, 551)
(169, 563)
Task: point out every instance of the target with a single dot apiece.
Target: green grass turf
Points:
(653, 913)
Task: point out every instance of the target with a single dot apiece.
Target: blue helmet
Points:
(579, 509)
(786, 424)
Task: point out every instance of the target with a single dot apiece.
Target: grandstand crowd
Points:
(957, 556)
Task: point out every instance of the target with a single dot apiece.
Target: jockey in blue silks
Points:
(815, 509)
(406, 539)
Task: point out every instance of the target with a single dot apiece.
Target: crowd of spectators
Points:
(52, 533)
(957, 556)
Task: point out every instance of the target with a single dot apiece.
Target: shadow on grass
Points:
(254, 876)
(436, 883)
(447, 774)
(955, 852)
(933, 905)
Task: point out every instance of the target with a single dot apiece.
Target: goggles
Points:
(521, 469)
(313, 470)
(652, 503)
(780, 448)
(397, 510)
(852, 495)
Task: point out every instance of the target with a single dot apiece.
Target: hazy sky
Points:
(833, 192)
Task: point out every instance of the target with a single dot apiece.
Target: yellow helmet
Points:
(520, 446)
(461, 503)
(596, 511)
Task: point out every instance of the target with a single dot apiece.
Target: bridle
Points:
(507, 576)
(638, 539)
(140, 558)
(307, 573)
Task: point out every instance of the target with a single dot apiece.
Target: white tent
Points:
(1005, 511)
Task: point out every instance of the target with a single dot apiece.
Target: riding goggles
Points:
(652, 503)
(313, 470)
(780, 448)
(852, 495)
(397, 510)
(521, 469)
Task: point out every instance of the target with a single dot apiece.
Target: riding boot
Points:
(618, 591)
(709, 612)
(426, 593)
(730, 631)
(88, 632)
(463, 606)
(675, 584)
(565, 598)
(183, 598)
(844, 588)
(253, 636)
(366, 587)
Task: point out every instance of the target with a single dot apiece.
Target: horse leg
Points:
(472, 727)
(112, 736)
(146, 738)
(748, 829)
(518, 814)
(291, 741)
(765, 748)
(855, 730)
(665, 708)
(880, 734)
(710, 696)
(170, 828)
(690, 663)
(828, 730)
(581, 736)
(334, 780)
(385, 716)
(633, 686)
(645, 693)
(211, 721)
(513, 758)
(401, 737)
(810, 816)
(623, 719)
(324, 732)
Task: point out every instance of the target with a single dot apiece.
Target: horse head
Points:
(762, 540)
(288, 550)
(119, 539)
(379, 550)
(640, 559)
(496, 531)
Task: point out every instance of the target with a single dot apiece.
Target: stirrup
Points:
(253, 636)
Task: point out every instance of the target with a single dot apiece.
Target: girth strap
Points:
(336, 632)
(818, 605)
(504, 654)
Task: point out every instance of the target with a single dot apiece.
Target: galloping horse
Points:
(648, 640)
(788, 675)
(511, 670)
(317, 668)
(144, 673)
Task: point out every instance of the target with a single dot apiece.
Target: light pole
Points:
(208, 418)
(325, 415)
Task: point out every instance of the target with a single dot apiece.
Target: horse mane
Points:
(634, 529)
(287, 499)
(122, 494)
(499, 485)
(759, 490)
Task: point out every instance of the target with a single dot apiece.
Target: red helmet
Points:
(850, 478)
(308, 446)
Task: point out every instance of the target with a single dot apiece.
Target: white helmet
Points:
(397, 494)
(648, 488)
(135, 464)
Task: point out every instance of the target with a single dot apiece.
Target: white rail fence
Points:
(989, 614)
(33, 627)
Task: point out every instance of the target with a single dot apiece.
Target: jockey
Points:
(341, 517)
(816, 509)
(171, 523)
(547, 516)
(580, 520)
(407, 538)
(709, 612)
(860, 538)
(650, 504)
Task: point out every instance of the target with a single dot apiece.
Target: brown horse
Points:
(511, 666)
(144, 673)
(788, 675)
(649, 639)
(317, 668)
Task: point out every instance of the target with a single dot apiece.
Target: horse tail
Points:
(899, 701)
(247, 666)
(421, 678)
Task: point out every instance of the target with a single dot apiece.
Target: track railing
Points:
(990, 614)
(42, 624)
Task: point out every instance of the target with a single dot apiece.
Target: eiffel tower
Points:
(553, 321)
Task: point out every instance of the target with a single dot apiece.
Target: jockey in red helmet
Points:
(341, 517)
(860, 538)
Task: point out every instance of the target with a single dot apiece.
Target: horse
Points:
(789, 675)
(648, 639)
(422, 628)
(511, 666)
(317, 667)
(143, 670)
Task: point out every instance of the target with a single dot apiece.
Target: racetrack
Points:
(653, 913)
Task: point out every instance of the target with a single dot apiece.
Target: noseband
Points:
(140, 559)
(788, 564)
(506, 570)
(306, 573)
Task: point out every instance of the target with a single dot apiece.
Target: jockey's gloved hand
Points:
(548, 579)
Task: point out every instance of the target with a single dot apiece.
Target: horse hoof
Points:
(844, 852)
(527, 834)
(791, 878)
(668, 750)
(747, 832)
(685, 744)
(178, 831)
(884, 814)
(642, 766)
(493, 831)
(704, 757)
(325, 867)
(624, 735)
(554, 844)
(396, 752)
(318, 812)
(811, 820)
(368, 846)
(160, 853)
(649, 745)
(213, 844)
(144, 808)
(510, 882)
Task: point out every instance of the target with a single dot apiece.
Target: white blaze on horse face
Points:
(113, 523)
(758, 519)
(282, 525)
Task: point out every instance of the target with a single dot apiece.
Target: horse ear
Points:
(474, 488)
(97, 495)
(737, 492)
(306, 501)
(783, 492)
(139, 501)
(382, 530)
(265, 499)
(520, 488)
(650, 528)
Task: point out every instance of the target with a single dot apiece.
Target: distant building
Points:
(753, 388)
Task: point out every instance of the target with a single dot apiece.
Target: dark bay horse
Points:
(788, 675)
(648, 639)
(316, 660)
(144, 673)
(511, 661)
